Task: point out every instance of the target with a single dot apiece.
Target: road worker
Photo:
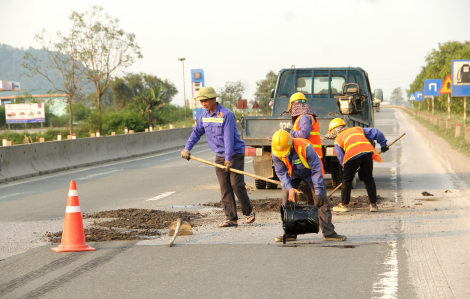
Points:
(219, 125)
(354, 150)
(295, 161)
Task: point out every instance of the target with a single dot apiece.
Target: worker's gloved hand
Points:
(228, 164)
(292, 193)
(384, 149)
(186, 154)
(288, 130)
(319, 201)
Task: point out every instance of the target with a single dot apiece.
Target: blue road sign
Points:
(431, 87)
(419, 96)
(461, 78)
(411, 97)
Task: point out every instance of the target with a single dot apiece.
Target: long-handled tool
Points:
(237, 171)
(339, 186)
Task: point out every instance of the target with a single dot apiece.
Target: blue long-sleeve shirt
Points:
(305, 126)
(299, 171)
(371, 134)
(221, 130)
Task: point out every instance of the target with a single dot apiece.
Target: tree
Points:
(148, 103)
(231, 93)
(263, 91)
(397, 96)
(63, 68)
(104, 48)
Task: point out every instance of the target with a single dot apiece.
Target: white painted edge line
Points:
(74, 209)
(73, 193)
(103, 173)
(40, 178)
(163, 195)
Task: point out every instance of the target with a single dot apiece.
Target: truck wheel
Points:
(271, 185)
(336, 174)
(260, 184)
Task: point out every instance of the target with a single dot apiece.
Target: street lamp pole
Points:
(184, 87)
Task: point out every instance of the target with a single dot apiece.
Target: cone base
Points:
(68, 248)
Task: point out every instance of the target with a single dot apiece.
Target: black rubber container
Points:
(298, 220)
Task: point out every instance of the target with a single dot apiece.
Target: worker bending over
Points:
(296, 161)
(354, 150)
(218, 123)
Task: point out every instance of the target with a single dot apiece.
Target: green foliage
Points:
(397, 96)
(117, 121)
(231, 93)
(263, 91)
(148, 103)
(2, 116)
(170, 114)
(438, 66)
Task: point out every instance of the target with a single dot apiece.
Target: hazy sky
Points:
(243, 40)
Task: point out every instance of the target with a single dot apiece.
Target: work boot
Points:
(373, 207)
(334, 237)
(288, 238)
(341, 208)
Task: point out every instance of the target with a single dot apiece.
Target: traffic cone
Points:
(73, 235)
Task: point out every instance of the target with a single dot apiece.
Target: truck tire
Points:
(336, 174)
(271, 185)
(260, 184)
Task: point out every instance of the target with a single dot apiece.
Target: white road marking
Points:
(387, 286)
(61, 173)
(163, 195)
(249, 161)
(14, 194)
(98, 174)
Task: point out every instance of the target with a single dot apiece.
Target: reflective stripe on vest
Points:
(213, 120)
(300, 147)
(314, 136)
(354, 142)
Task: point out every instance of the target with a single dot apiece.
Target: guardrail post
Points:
(4, 141)
(441, 123)
(467, 134)
(448, 124)
(457, 130)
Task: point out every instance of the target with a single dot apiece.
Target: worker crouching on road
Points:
(296, 161)
(354, 150)
(218, 123)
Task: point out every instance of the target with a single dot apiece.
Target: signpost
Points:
(431, 89)
(419, 98)
(197, 82)
(461, 82)
(446, 88)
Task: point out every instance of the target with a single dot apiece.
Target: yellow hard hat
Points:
(297, 97)
(206, 93)
(281, 143)
(336, 123)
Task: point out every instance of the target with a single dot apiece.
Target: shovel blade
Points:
(185, 229)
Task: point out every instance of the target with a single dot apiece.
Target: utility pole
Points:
(184, 87)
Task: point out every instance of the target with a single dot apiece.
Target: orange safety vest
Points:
(300, 147)
(314, 136)
(354, 142)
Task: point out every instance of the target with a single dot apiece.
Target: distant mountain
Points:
(11, 70)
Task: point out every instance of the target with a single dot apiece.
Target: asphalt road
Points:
(413, 248)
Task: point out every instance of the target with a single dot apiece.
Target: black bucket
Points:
(298, 220)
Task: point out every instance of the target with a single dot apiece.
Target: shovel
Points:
(179, 228)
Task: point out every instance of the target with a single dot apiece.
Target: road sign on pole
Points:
(446, 87)
(431, 87)
(419, 96)
(411, 97)
(461, 78)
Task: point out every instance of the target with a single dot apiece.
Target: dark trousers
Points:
(231, 183)
(350, 167)
(324, 211)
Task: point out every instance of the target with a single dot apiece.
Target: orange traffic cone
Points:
(73, 235)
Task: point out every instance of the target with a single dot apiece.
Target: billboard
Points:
(25, 113)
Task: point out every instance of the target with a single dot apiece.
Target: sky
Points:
(244, 40)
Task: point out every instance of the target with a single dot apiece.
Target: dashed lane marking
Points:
(163, 195)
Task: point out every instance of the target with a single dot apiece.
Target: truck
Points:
(331, 92)
(378, 98)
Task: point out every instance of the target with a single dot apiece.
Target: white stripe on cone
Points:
(73, 193)
(74, 209)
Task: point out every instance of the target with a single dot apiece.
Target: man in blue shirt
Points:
(219, 125)
(292, 167)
